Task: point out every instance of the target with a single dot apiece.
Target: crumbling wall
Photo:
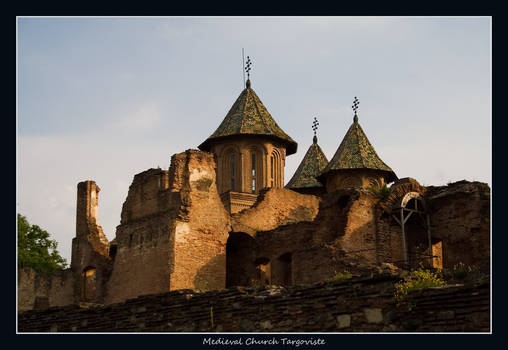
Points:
(144, 238)
(202, 227)
(87, 224)
(343, 230)
(173, 231)
(360, 232)
(276, 207)
(40, 291)
(90, 247)
(460, 217)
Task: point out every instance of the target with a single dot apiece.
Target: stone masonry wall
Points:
(356, 305)
(39, 291)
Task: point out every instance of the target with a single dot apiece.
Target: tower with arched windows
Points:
(250, 150)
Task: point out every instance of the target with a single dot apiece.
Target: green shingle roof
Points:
(356, 152)
(311, 166)
(248, 116)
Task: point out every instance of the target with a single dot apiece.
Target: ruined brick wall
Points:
(356, 305)
(173, 231)
(90, 247)
(87, 224)
(344, 223)
(202, 228)
(144, 238)
(40, 291)
(460, 217)
(276, 207)
(360, 231)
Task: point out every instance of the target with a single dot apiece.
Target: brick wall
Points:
(460, 217)
(356, 305)
(39, 291)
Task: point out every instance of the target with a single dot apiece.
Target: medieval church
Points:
(221, 216)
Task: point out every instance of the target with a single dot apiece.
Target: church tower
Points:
(304, 179)
(356, 163)
(250, 150)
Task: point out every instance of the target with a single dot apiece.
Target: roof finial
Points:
(247, 70)
(355, 108)
(315, 124)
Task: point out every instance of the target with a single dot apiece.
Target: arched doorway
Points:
(263, 271)
(240, 267)
(282, 273)
(418, 247)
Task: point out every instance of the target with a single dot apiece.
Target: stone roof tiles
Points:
(311, 166)
(248, 116)
(356, 152)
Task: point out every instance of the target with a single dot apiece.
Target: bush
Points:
(466, 274)
(340, 276)
(380, 192)
(461, 270)
(420, 278)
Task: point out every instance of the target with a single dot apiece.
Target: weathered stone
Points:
(266, 324)
(373, 315)
(343, 321)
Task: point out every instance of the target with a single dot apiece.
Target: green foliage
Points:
(380, 192)
(461, 270)
(463, 273)
(420, 278)
(36, 249)
(340, 276)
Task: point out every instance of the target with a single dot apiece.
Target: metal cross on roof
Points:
(355, 104)
(315, 124)
(247, 67)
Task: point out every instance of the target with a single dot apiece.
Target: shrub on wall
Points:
(420, 278)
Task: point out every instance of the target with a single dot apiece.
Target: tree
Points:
(36, 249)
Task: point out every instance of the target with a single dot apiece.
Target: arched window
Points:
(229, 177)
(253, 167)
(232, 165)
(275, 169)
(89, 279)
(271, 171)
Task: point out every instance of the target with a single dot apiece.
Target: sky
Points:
(104, 99)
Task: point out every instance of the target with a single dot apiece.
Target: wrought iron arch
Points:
(412, 203)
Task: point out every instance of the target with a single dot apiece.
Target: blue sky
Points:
(106, 98)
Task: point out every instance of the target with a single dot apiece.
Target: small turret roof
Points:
(356, 152)
(311, 166)
(248, 116)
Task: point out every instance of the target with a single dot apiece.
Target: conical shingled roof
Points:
(311, 166)
(356, 152)
(248, 116)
